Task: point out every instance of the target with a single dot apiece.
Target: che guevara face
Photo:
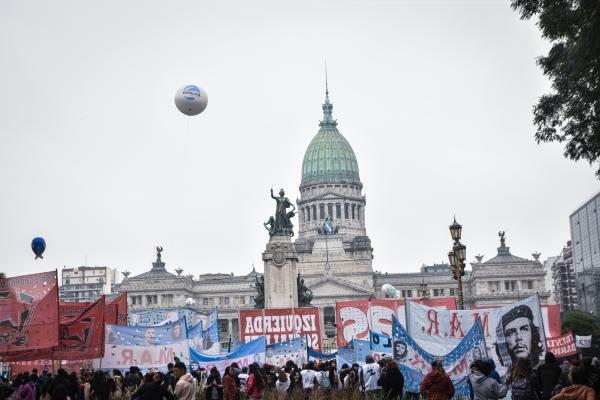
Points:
(517, 334)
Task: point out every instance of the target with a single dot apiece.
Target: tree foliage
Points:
(570, 113)
(580, 323)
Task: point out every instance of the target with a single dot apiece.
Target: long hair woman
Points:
(437, 385)
(99, 386)
(256, 383)
(523, 383)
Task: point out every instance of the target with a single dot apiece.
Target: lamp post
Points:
(457, 257)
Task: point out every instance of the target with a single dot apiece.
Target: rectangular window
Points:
(451, 291)
(314, 212)
(346, 211)
(223, 325)
(322, 211)
(205, 302)
(243, 300)
(338, 211)
(436, 292)
(358, 209)
(529, 285)
(441, 292)
(226, 301)
(308, 213)
(330, 210)
(353, 210)
(251, 300)
(409, 293)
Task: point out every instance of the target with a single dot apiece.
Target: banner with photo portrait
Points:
(145, 346)
(277, 354)
(415, 362)
(161, 316)
(512, 331)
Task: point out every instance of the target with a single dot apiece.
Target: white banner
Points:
(511, 332)
(145, 357)
(583, 342)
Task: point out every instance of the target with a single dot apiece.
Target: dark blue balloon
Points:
(38, 245)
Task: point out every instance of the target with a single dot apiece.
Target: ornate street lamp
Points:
(457, 258)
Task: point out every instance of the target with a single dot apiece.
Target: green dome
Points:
(329, 157)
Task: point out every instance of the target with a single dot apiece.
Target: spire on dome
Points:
(327, 106)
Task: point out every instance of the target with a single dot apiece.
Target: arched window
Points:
(322, 211)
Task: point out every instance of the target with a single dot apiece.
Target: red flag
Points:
(121, 303)
(71, 310)
(28, 313)
(83, 337)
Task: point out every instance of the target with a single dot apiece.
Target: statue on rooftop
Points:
(281, 223)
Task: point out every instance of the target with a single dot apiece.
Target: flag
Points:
(82, 337)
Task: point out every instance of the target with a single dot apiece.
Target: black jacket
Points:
(548, 375)
(153, 391)
(392, 383)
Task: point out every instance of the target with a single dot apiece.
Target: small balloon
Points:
(38, 245)
(191, 100)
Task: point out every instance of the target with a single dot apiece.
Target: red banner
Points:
(83, 336)
(115, 312)
(282, 324)
(355, 318)
(562, 346)
(121, 309)
(28, 313)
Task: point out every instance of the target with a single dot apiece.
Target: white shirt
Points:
(371, 373)
(282, 386)
(308, 378)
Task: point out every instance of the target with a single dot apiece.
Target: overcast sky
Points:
(435, 98)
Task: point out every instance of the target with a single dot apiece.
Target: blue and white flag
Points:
(415, 362)
(205, 340)
(314, 355)
(161, 316)
(278, 354)
(244, 356)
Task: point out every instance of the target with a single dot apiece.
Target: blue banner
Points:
(161, 315)
(314, 355)
(415, 362)
(146, 335)
(205, 340)
(244, 356)
(380, 343)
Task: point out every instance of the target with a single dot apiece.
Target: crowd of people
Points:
(577, 380)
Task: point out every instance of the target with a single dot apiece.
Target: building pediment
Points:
(331, 285)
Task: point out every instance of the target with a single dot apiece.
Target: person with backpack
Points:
(323, 380)
(283, 383)
(437, 385)
(484, 386)
(523, 382)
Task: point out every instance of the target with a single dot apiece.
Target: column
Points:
(230, 326)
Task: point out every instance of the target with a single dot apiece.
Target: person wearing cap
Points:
(521, 335)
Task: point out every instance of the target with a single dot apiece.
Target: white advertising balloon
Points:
(389, 290)
(191, 100)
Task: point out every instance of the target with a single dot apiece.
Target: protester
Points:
(370, 373)
(25, 388)
(5, 389)
(283, 383)
(132, 380)
(230, 388)
(243, 377)
(391, 381)
(256, 383)
(579, 390)
(548, 375)
(437, 385)
(114, 389)
(185, 388)
(523, 383)
(309, 378)
(98, 386)
(483, 385)
(323, 379)
(152, 388)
